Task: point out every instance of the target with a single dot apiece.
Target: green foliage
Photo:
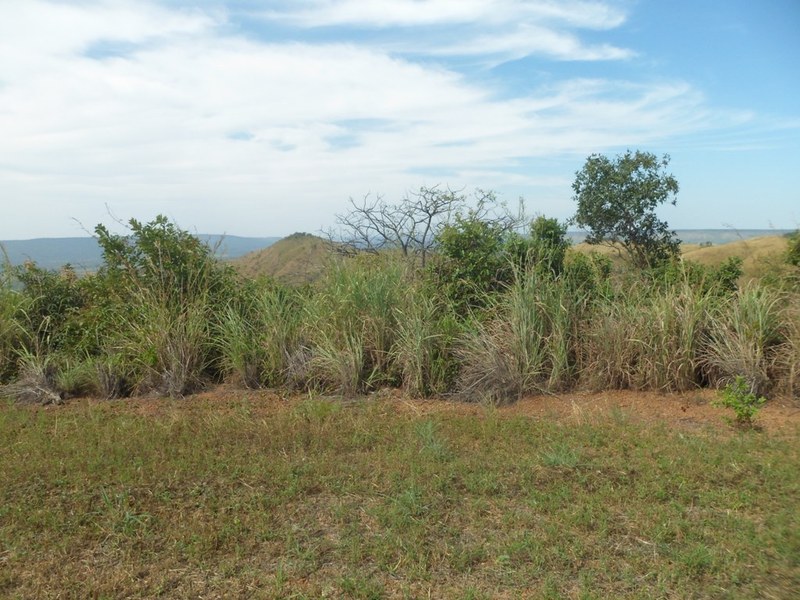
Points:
(548, 244)
(739, 396)
(54, 298)
(587, 273)
(720, 280)
(617, 200)
(156, 301)
(473, 262)
(160, 257)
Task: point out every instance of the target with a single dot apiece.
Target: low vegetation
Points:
(242, 496)
(495, 314)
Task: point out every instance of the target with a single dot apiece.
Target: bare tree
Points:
(411, 225)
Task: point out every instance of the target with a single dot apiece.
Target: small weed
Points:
(739, 397)
(430, 440)
(561, 455)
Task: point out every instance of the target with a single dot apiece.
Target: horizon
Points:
(264, 118)
(570, 233)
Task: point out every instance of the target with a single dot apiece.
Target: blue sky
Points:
(263, 118)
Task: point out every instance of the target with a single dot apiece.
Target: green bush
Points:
(738, 395)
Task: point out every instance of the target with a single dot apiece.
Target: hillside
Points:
(297, 259)
(756, 253)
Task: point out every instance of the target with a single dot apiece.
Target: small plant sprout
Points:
(745, 404)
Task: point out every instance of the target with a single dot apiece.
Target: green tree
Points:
(617, 200)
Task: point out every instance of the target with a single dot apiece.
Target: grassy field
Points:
(248, 495)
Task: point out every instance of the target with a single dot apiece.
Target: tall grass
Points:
(423, 351)
(527, 344)
(166, 348)
(350, 324)
(647, 338)
(12, 331)
(143, 325)
(747, 337)
(259, 334)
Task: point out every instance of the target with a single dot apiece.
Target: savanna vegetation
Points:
(457, 297)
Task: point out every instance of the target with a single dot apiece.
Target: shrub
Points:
(739, 396)
(54, 299)
(472, 262)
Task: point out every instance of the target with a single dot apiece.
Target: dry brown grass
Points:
(758, 254)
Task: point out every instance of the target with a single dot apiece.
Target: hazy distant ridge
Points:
(84, 253)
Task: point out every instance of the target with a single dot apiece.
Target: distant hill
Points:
(297, 259)
(756, 253)
(701, 236)
(84, 253)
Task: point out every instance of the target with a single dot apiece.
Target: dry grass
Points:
(759, 254)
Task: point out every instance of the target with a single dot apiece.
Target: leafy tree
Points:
(617, 200)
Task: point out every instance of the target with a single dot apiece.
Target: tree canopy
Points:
(617, 200)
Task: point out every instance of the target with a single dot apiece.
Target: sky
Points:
(263, 118)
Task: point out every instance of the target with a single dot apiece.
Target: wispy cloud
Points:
(489, 28)
(388, 13)
(145, 106)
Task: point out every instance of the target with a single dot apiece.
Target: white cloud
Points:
(230, 133)
(508, 28)
(388, 13)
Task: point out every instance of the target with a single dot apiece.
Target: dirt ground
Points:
(691, 410)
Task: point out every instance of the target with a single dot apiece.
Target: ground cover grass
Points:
(314, 497)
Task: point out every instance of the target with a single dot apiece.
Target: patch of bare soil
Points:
(689, 410)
